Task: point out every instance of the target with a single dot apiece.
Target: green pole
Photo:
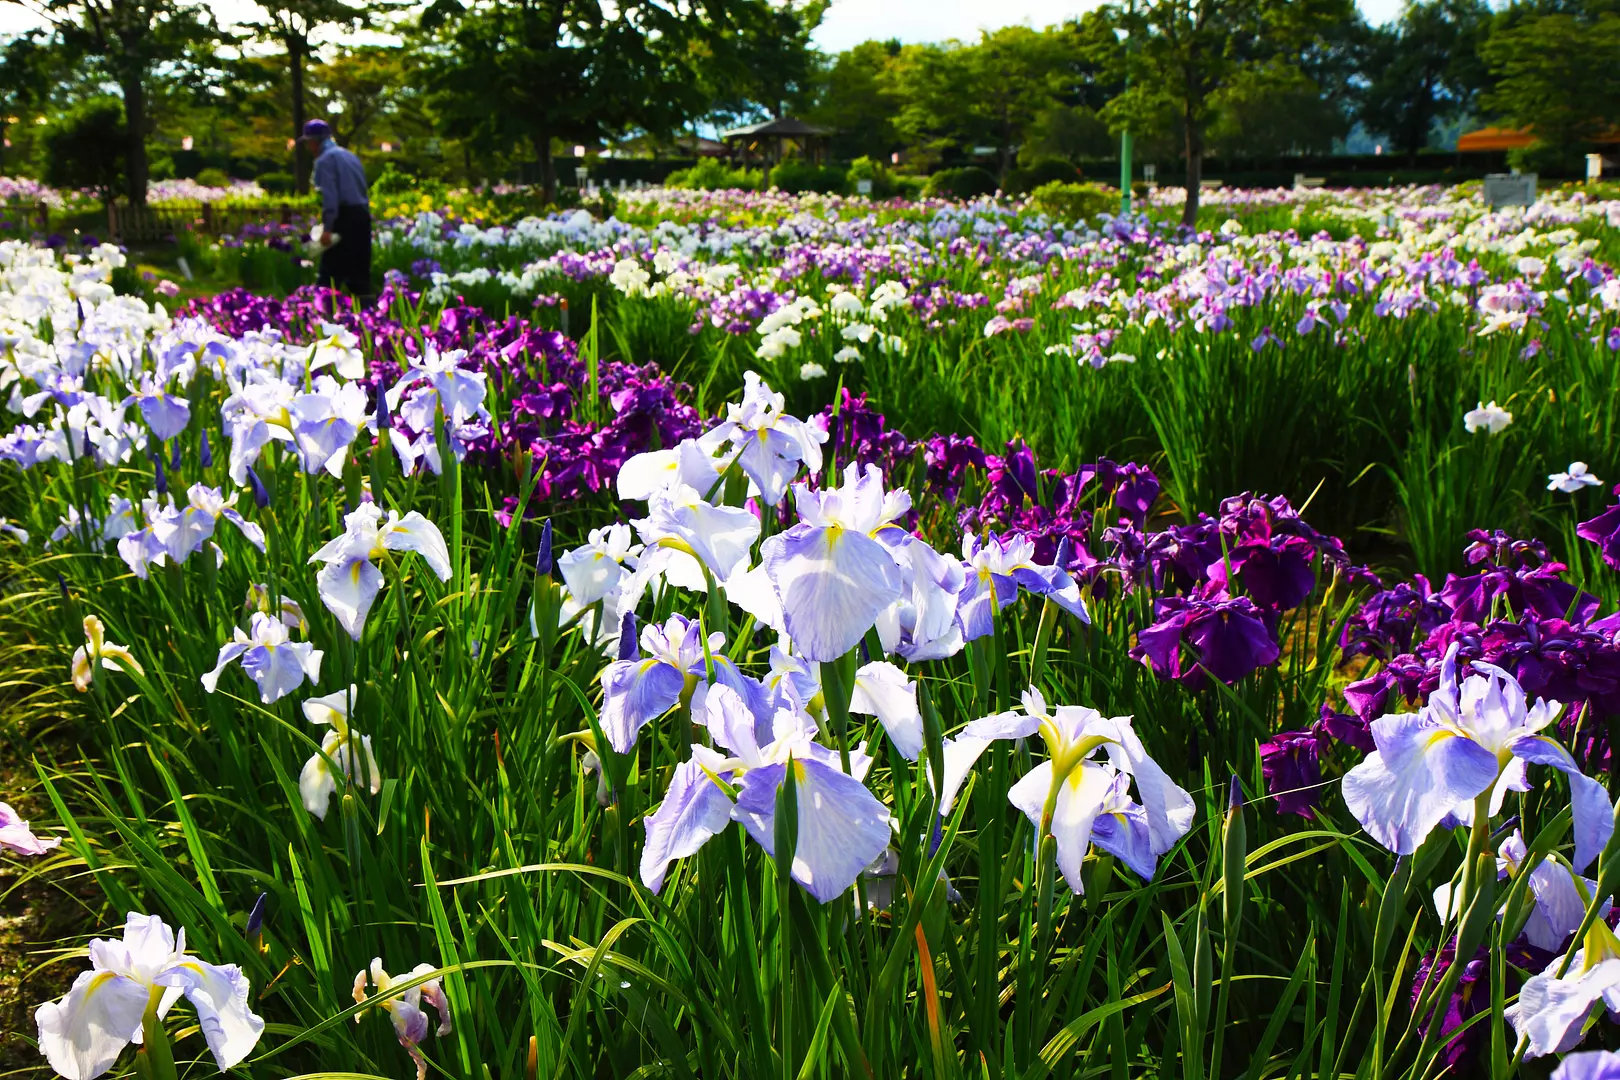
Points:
(1125, 172)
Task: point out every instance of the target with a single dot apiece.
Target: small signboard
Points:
(863, 187)
(1150, 172)
(1510, 189)
(1594, 167)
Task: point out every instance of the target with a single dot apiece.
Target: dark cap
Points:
(317, 129)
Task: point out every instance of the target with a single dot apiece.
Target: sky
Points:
(849, 22)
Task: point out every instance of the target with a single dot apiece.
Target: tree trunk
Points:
(548, 167)
(297, 47)
(1195, 170)
(134, 90)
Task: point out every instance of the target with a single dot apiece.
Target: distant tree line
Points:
(111, 93)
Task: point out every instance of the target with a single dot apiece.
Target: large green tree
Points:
(768, 64)
(29, 64)
(1423, 68)
(532, 71)
(1181, 54)
(858, 97)
(1557, 73)
(986, 93)
(291, 24)
(133, 42)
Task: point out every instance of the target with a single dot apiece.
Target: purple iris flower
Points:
(1592, 1065)
(1291, 762)
(1472, 995)
(1224, 636)
(1604, 531)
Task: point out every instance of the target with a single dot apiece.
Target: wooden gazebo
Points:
(771, 141)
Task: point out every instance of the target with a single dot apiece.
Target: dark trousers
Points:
(347, 263)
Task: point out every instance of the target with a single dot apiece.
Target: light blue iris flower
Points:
(638, 690)
(995, 571)
(1479, 736)
(276, 664)
(842, 827)
(830, 571)
(1070, 793)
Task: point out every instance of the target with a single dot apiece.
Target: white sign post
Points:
(863, 187)
(1594, 167)
(1510, 189)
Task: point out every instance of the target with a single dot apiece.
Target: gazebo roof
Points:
(1495, 138)
(787, 127)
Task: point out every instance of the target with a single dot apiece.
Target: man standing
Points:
(345, 212)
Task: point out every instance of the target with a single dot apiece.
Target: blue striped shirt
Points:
(341, 181)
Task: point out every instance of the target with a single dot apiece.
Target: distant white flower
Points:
(847, 355)
(1532, 267)
(342, 749)
(1231, 227)
(777, 342)
(629, 277)
(1572, 481)
(811, 370)
(98, 649)
(1493, 418)
(847, 303)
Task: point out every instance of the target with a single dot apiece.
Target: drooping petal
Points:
(1551, 1011)
(1056, 585)
(634, 692)
(1121, 829)
(1419, 772)
(1007, 725)
(1559, 908)
(694, 809)
(219, 994)
(960, 755)
(1168, 807)
(316, 783)
(882, 690)
(1079, 801)
(227, 652)
(83, 1034)
(280, 669)
(18, 838)
(413, 532)
(842, 826)
(348, 589)
(1590, 808)
(833, 582)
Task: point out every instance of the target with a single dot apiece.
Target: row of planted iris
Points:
(1276, 357)
(538, 752)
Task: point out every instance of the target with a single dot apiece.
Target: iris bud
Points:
(543, 561)
(627, 637)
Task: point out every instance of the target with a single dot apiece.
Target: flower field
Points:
(745, 635)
